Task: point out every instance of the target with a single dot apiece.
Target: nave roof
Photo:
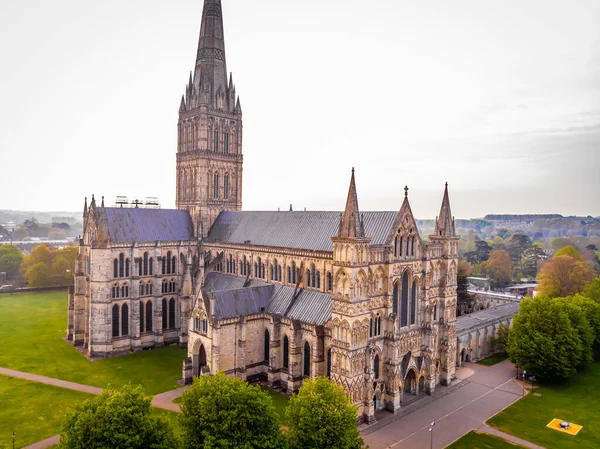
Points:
(310, 230)
(129, 225)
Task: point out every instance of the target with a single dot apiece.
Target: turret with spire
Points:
(444, 226)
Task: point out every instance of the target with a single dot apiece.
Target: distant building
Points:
(478, 283)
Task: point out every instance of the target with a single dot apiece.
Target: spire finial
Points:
(352, 170)
(291, 210)
(405, 191)
(446, 185)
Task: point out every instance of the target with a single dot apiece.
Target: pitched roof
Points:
(128, 225)
(466, 323)
(350, 224)
(233, 300)
(310, 230)
(445, 222)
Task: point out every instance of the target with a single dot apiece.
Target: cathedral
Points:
(279, 296)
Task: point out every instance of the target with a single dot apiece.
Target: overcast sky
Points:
(499, 99)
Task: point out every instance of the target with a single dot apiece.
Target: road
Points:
(487, 392)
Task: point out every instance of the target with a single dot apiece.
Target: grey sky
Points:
(500, 99)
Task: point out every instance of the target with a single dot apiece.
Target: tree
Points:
(321, 416)
(517, 244)
(118, 418)
(218, 412)
(580, 322)
(559, 243)
(481, 253)
(564, 276)
(498, 268)
(38, 275)
(39, 254)
(569, 251)
(592, 311)
(531, 259)
(592, 290)
(543, 341)
(63, 265)
(10, 260)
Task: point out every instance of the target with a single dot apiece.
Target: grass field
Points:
(32, 328)
(280, 401)
(474, 440)
(576, 401)
(32, 410)
(493, 359)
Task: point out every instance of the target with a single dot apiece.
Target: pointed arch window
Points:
(141, 317)
(328, 363)
(127, 268)
(226, 142)
(376, 366)
(266, 346)
(172, 313)
(216, 186)
(164, 314)
(115, 321)
(216, 140)
(121, 265)
(140, 267)
(286, 352)
(404, 301)
(145, 264)
(306, 359)
(124, 319)
(149, 316)
(329, 282)
(151, 267)
(413, 303)
(226, 187)
(395, 299)
(294, 273)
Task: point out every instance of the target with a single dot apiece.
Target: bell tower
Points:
(209, 143)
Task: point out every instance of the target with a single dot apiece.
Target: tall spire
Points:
(444, 226)
(211, 65)
(350, 226)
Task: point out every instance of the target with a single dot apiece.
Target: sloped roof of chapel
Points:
(128, 225)
(311, 230)
(232, 299)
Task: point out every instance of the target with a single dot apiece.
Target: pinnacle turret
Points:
(351, 225)
(444, 226)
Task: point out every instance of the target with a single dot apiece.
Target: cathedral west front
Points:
(281, 296)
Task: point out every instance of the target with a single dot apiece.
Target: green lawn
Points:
(280, 401)
(32, 328)
(493, 359)
(576, 401)
(474, 440)
(32, 410)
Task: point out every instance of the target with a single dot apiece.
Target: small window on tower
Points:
(226, 187)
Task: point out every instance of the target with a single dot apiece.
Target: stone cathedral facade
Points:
(357, 296)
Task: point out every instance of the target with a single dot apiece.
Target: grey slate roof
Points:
(310, 230)
(473, 320)
(128, 225)
(232, 299)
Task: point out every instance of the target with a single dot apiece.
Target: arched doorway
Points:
(201, 359)
(422, 383)
(410, 382)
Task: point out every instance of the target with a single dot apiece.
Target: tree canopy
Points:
(218, 412)
(118, 418)
(498, 268)
(569, 251)
(543, 340)
(564, 276)
(321, 416)
(45, 267)
(10, 260)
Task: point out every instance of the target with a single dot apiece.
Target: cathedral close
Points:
(356, 296)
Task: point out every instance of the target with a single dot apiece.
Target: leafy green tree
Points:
(481, 253)
(10, 260)
(498, 268)
(569, 251)
(592, 290)
(564, 276)
(532, 258)
(223, 413)
(592, 311)
(543, 340)
(580, 321)
(38, 275)
(517, 245)
(321, 416)
(118, 418)
(39, 254)
(559, 243)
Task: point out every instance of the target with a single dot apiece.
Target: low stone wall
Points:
(34, 289)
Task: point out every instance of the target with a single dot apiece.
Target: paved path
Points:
(462, 409)
(508, 437)
(48, 442)
(51, 381)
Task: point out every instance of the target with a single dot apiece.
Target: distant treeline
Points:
(526, 217)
